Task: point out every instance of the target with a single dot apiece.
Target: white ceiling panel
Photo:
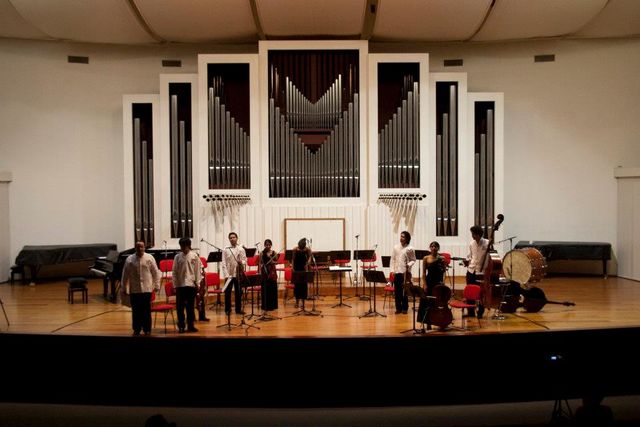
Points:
(199, 20)
(619, 18)
(98, 21)
(523, 19)
(13, 25)
(429, 20)
(311, 18)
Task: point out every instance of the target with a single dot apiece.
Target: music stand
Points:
(416, 292)
(252, 281)
(420, 254)
(361, 255)
(339, 270)
(373, 277)
(303, 276)
(250, 251)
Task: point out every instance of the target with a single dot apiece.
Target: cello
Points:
(533, 301)
(491, 272)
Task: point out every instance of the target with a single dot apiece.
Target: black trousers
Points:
(227, 296)
(472, 279)
(141, 312)
(186, 300)
(402, 300)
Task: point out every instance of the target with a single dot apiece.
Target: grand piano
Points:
(110, 267)
(36, 257)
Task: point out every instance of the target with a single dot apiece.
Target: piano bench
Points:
(17, 269)
(77, 284)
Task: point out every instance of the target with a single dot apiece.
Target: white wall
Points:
(5, 230)
(567, 125)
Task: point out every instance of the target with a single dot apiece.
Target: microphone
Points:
(257, 244)
(375, 246)
(357, 235)
(201, 240)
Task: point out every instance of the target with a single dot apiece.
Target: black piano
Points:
(110, 267)
(36, 257)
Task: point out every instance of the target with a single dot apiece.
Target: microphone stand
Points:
(356, 282)
(315, 267)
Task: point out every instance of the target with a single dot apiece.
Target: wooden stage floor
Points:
(599, 303)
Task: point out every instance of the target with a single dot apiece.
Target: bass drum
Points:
(524, 265)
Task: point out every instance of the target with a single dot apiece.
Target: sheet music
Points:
(338, 268)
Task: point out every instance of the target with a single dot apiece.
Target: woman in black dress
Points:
(434, 267)
(269, 277)
(301, 257)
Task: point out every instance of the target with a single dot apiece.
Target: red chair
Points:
(470, 292)
(252, 262)
(288, 275)
(212, 281)
(389, 290)
(165, 308)
(447, 263)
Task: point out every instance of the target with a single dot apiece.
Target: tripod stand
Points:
(266, 283)
(340, 270)
(5, 313)
(373, 277)
(362, 256)
(416, 292)
(302, 277)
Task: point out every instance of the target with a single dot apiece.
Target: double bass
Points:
(533, 299)
(491, 295)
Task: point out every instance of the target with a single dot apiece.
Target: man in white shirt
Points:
(140, 277)
(402, 259)
(476, 262)
(186, 276)
(234, 262)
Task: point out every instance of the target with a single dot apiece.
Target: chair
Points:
(281, 262)
(77, 284)
(470, 292)
(212, 281)
(389, 290)
(165, 308)
(288, 275)
(447, 263)
(17, 269)
(252, 262)
(166, 267)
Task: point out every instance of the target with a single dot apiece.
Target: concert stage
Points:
(55, 352)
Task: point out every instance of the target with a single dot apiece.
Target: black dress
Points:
(435, 275)
(300, 259)
(269, 277)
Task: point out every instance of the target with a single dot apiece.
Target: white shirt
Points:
(402, 259)
(186, 269)
(230, 257)
(140, 274)
(477, 252)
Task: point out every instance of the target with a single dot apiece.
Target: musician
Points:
(402, 259)
(478, 254)
(140, 277)
(186, 274)
(234, 263)
(434, 267)
(301, 258)
(269, 276)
